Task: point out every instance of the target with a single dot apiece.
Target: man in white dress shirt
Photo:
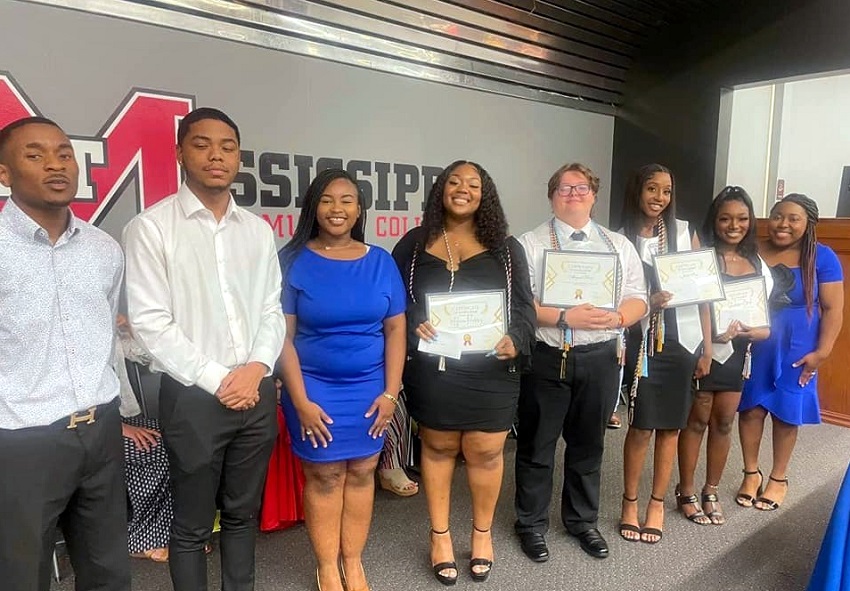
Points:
(203, 293)
(575, 371)
(61, 454)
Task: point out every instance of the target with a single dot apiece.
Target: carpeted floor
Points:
(754, 551)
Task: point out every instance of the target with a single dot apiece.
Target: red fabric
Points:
(283, 504)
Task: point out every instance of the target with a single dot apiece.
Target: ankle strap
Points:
(628, 500)
(785, 480)
(439, 533)
(656, 499)
(756, 471)
(479, 530)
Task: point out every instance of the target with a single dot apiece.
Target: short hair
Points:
(555, 179)
(747, 247)
(200, 114)
(6, 132)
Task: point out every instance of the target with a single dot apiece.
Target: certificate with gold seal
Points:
(746, 302)
(478, 317)
(691, 276)
(573, 278)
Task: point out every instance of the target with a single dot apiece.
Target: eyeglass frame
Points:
(573, 189)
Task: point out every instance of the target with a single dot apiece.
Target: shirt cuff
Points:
(211, 376)
(265, 356)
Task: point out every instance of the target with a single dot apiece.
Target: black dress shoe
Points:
(534, 546)
(593, 543)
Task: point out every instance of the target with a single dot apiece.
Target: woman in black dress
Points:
(663, 357)
(467, 405)
(730, 228)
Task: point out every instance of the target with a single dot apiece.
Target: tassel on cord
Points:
(441, 364)
(748, 362)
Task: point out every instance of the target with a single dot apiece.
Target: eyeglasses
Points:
(567, 190)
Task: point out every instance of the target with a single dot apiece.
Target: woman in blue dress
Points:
(783, 380)
(342, 360)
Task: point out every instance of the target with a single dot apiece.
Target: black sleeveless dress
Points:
(474, 393)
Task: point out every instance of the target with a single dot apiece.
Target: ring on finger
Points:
(308, 431)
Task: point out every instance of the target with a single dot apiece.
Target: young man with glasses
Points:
(575, 368)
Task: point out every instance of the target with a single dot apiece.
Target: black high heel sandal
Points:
(770, 504)
(628, 527)
(653, 531)
(480, 576)
(745, 500)
(444, 579)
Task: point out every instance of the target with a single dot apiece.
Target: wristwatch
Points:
(562, 320)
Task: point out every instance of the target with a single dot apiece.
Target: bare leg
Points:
(484, 467)
(719, 441)
(690, 441)
(751, 430)
(665, 451)
(323, 506)
(439, 452)
(359, 496)
(634, 454)
(784, 439)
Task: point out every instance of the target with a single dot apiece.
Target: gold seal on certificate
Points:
(477, 317)
(573, 278)
(746, 302)
(691, 276)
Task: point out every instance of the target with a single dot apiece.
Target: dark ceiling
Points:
(573, 53)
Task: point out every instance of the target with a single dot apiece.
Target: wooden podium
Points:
(834, 374)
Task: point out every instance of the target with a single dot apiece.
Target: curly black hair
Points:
(491, 227)
(747, 247)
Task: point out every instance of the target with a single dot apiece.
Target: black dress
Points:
(665, 396)
(729, 376)
(474, 393)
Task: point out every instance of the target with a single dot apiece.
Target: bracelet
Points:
(390, 397)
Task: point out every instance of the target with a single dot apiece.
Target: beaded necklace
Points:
(506, 261)
(655, 332)
(567, 333)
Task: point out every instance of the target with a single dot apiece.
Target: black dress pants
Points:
(219, 458)
(73, 478)
(576, 408)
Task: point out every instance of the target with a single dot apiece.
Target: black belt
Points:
(590, 347)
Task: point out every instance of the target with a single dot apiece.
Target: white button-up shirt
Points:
(538, 240)
(57, 325)
(203, 296)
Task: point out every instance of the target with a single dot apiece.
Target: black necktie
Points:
(578, 235)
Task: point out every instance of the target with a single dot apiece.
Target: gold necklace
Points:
(329, 247)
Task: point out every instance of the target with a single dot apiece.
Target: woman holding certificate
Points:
(730, 228)
(784, 373)
(470, 316)
(588, 285)
(663, 356)
(342, 361)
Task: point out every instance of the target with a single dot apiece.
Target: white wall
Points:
(814, 140)
(749, 142)
(815, 145)
(77, 68)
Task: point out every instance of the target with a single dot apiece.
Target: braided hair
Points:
(808, 243)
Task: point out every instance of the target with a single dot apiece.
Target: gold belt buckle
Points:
(77, 418)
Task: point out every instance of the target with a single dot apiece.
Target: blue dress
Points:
(773, 382)
(832, 569)
(340, 307)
